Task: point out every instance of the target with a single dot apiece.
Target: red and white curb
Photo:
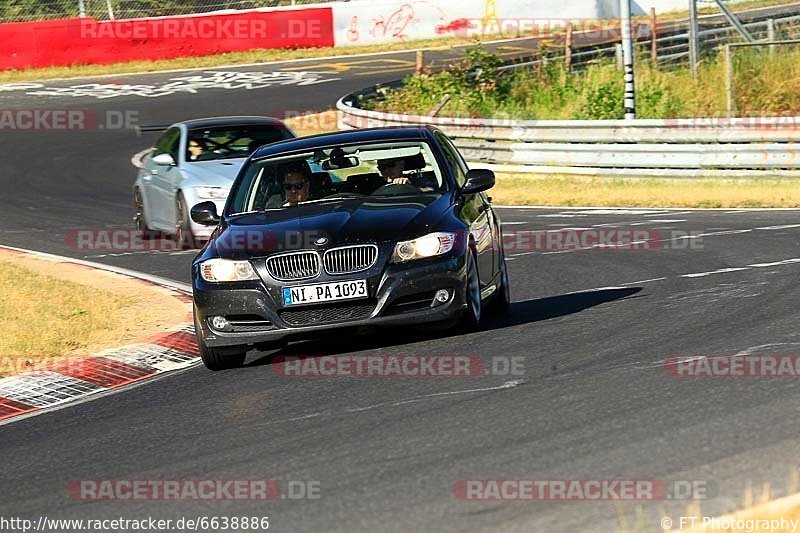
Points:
(36, 391)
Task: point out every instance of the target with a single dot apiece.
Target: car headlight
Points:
(222, 270)
(430, 245)
(212, 193)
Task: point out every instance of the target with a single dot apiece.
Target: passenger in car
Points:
(392, 171)
(196, 150)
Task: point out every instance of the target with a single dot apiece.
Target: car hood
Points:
(214, 173)
(351, 221)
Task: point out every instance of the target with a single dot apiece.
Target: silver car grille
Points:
(349, 259)
(296, 265)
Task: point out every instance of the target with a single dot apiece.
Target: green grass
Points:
(44, 316)
(764, 83)
(259, 56)
(527, 189)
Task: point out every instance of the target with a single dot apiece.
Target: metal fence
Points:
(32, 10)
(680, 147)
(672, 42)
(752, 147)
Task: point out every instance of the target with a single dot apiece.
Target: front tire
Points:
(139, 219)
(219, 358)
(183, 227)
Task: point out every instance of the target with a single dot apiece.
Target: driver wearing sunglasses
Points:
(295, 185)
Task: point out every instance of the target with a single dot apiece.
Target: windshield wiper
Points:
(329, 199)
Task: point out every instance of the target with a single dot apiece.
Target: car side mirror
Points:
(478, 180)
(164, 160)
(205, 213)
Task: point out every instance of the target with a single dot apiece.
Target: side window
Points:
(168, 143)
(453, 157)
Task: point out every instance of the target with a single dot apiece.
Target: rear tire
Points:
(501, 301)
(471, 316)
(219, 358)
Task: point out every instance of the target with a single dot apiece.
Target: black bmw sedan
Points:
(368, 227)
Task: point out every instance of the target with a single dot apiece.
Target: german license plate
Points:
(325, 292)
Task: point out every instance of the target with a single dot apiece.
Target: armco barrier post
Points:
(694, 38)
(629, 100)
(568, 49)
(653, 36)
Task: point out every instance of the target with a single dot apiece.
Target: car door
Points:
(475, 212)
(163, 179)
(497, 236)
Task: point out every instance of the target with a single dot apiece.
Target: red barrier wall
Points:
(87, 41)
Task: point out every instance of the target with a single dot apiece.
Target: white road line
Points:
(776, 263)
(785, 226)
(184, 287)
(720, 271)
(515, 223)
(506, 385)
(644, 281)
(598, 289)
(564, 251)
(143, 252)
(635, 223)
(661, 210)
(729, 232)
(651, 212)
(614, 224)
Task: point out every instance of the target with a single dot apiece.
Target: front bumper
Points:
(397, 296)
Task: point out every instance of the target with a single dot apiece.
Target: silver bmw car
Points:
(192, 162)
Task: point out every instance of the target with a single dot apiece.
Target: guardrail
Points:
(679, 147)
(751, 146)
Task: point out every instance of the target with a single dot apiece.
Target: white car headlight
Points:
(212, 193)
(222, 270)
(430, 245)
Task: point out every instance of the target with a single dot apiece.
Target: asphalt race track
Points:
(593, 328)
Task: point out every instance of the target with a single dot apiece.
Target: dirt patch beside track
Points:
(50, 310)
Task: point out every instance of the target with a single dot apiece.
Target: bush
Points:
(764, 83)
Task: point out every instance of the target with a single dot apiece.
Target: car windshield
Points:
(338, 173)
(228, 142)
